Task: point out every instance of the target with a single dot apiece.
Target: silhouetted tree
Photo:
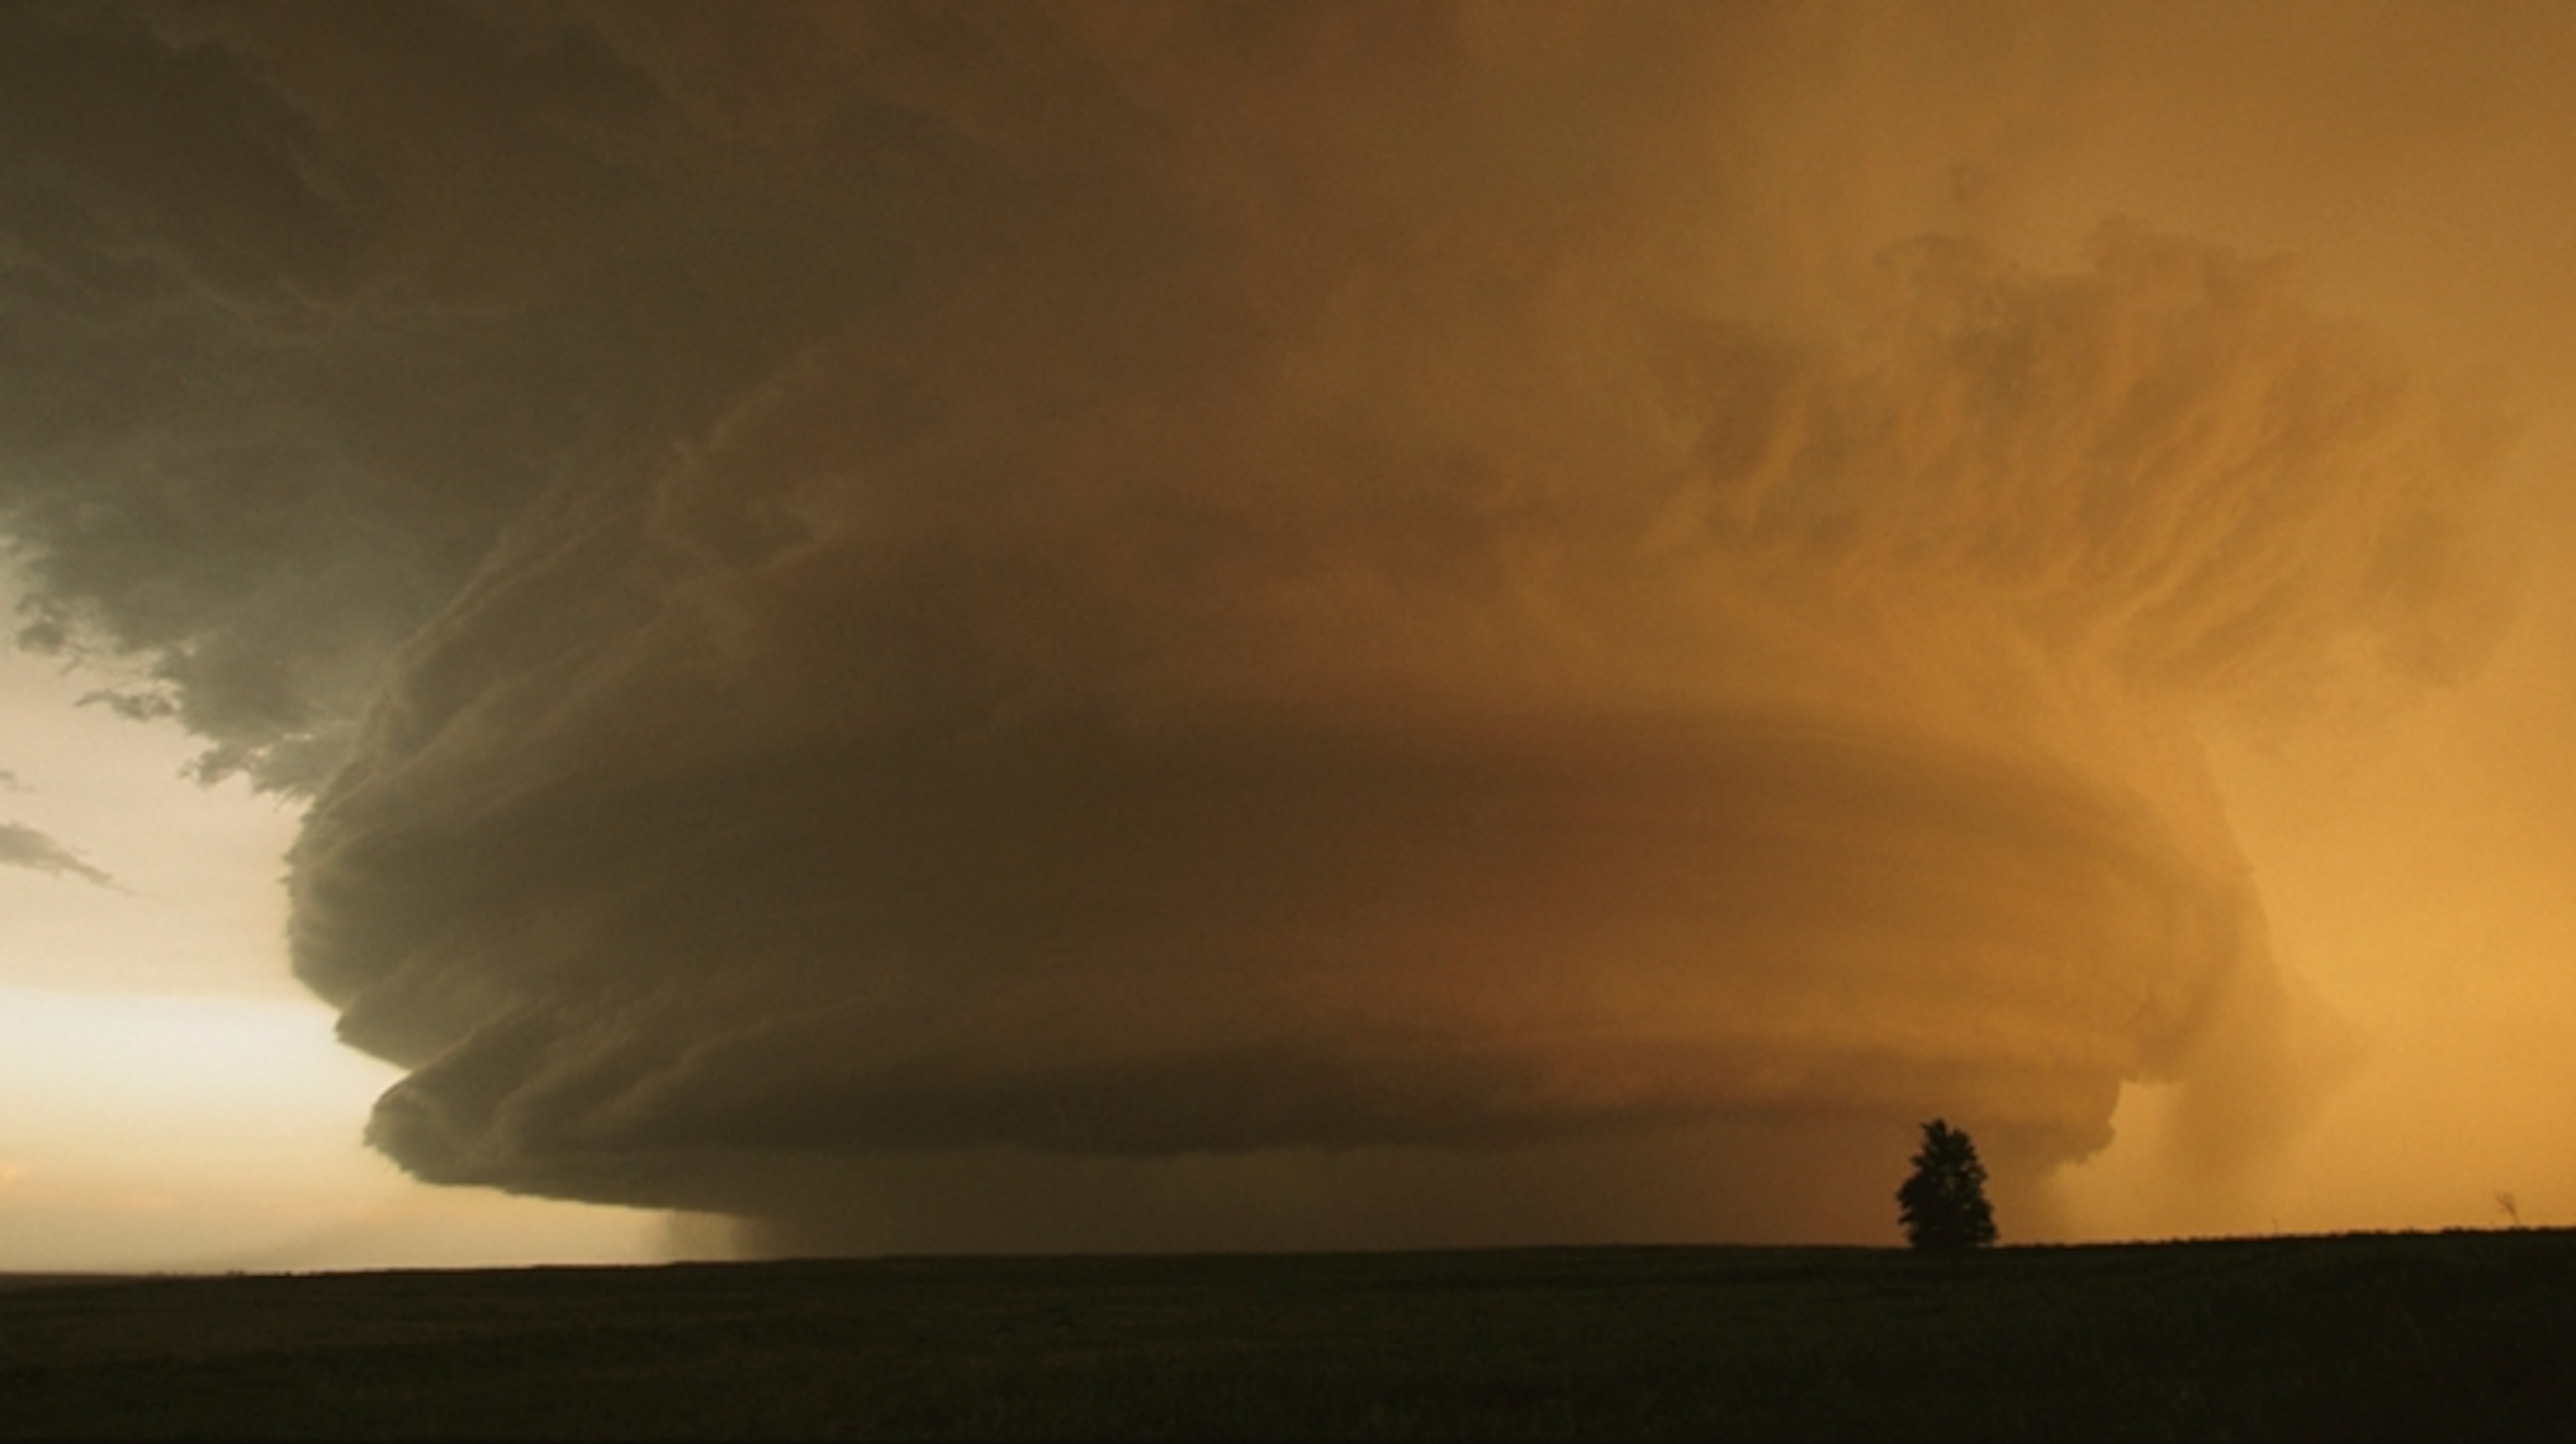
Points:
(1943, 1206)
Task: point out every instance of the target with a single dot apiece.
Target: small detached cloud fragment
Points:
(23, 846)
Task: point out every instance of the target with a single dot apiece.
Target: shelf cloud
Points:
(963, 627)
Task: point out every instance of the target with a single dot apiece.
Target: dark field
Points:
(2407, 1336)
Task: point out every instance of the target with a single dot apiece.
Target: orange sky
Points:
(1157, 626)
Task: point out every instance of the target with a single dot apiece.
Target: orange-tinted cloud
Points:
(1431, 612)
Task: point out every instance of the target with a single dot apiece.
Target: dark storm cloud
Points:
(23, 846)
(301, 306)
(1124, 625)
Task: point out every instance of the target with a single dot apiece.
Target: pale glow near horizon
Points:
(170, 1098)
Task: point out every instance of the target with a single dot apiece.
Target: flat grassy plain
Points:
(2451, 1335)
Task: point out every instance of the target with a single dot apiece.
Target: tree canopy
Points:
(1943, 1204)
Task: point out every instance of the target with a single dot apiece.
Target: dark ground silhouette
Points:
(2390, 1336)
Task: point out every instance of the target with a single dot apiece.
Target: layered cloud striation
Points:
(1228, 626)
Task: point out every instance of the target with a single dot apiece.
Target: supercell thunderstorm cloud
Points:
(1022, 627)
